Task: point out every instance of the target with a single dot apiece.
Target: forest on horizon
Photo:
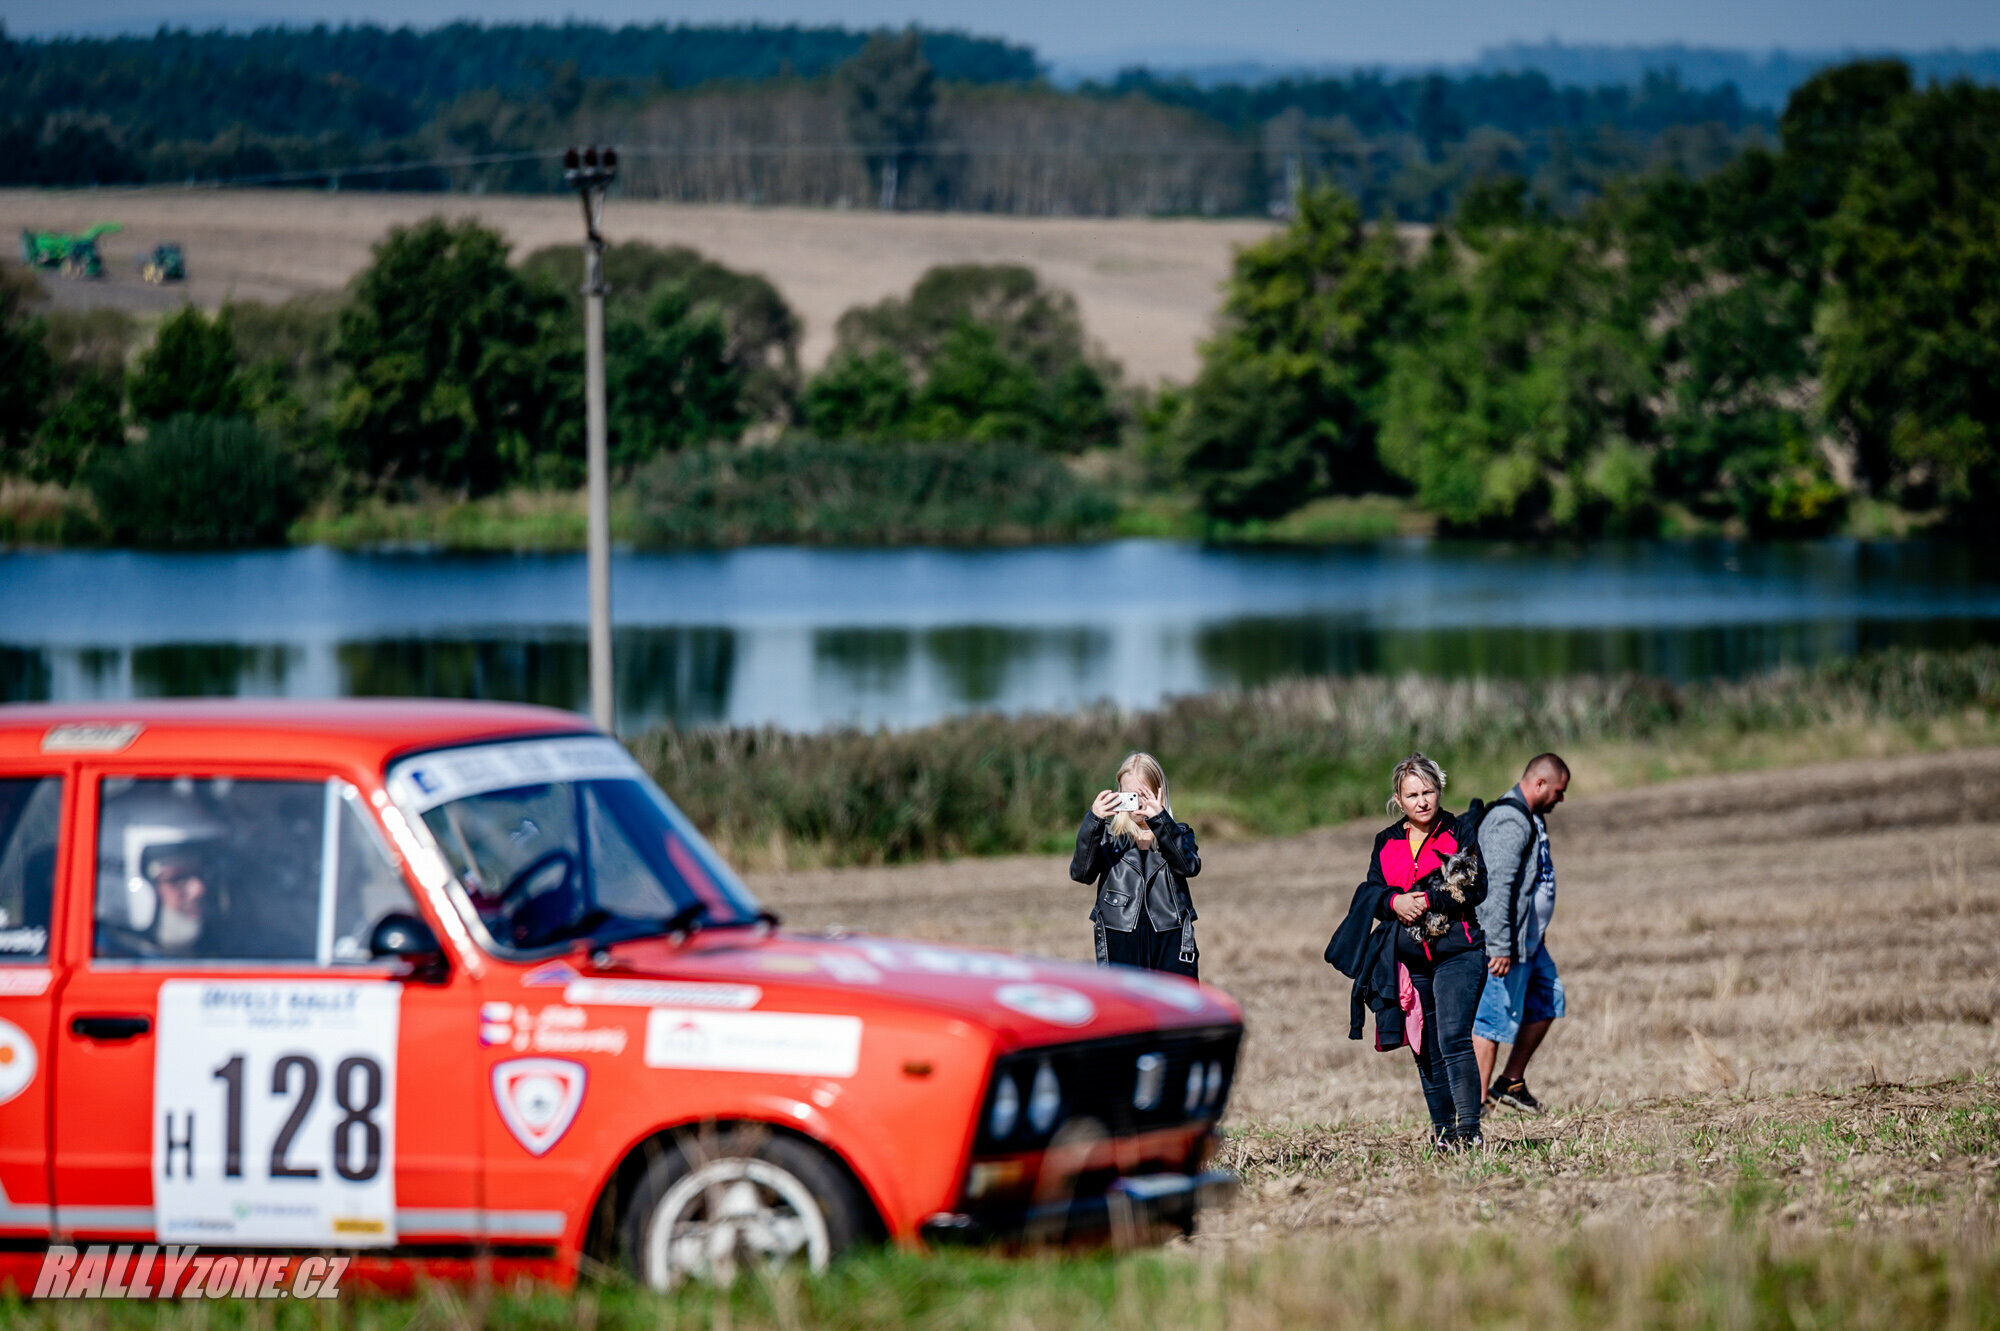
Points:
(821, 116)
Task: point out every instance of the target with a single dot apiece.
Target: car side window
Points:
(226, 869)
(30, 813)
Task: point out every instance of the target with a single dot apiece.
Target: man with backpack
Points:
(1523, 994)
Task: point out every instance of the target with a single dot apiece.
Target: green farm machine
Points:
(73, 256)
(164, 264)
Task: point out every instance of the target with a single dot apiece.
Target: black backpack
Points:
(1468, 835)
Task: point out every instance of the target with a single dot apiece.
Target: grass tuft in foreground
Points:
(1292, 755)
(1590, 1280)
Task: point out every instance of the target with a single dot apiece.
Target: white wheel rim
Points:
(725, 1215)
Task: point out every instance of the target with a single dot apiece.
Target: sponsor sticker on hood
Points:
(1048, 1002)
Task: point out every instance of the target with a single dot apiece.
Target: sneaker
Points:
(1515, 1095)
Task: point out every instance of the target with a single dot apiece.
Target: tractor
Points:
(164, 264)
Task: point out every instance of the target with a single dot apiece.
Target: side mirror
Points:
(399, 934)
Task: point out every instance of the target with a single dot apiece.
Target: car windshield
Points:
(561, 839)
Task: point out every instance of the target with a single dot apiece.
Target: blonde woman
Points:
(1140, 859)
(1448, 968)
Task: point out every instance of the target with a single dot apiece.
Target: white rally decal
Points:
(23, 981)
(538, 1099)
(1050, 1002)
(802, 1043)
(274, 1119)
(424, 782)
(17, 1061)
(662, 993)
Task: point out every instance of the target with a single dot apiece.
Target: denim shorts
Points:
(1529, 991)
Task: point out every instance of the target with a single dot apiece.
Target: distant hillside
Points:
(1763, 80)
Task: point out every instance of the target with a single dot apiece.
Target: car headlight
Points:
(1044, 1099)
(1006, 1109)
(1196, 1078)
(1214, 1091)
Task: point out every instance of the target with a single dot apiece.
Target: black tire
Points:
(711, 1204)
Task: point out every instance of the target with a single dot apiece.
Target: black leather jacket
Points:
(1123, 886)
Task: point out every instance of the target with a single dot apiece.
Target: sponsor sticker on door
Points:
(800, 1043)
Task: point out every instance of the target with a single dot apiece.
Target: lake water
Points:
(808, 638)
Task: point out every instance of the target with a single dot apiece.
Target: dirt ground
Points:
(1147, 288)
(1783, 998)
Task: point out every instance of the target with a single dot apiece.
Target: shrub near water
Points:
(1273, 760)
(865, 494)
(198, 481)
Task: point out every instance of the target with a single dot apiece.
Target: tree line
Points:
(1810, 329)
(813, 116)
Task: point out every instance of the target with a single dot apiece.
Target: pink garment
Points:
(1413, 1009)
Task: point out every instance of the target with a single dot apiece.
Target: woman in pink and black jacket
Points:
(1447, 971)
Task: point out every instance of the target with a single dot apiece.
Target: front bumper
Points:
(1127, 1211)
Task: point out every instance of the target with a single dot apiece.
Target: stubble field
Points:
(1783, 990)
(1147, 288)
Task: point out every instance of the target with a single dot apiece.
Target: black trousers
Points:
(1149, 950)
(1449, 991)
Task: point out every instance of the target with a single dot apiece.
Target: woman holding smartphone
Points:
(1140, 859)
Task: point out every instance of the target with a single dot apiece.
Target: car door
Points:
(231, 1065)
(31, 820)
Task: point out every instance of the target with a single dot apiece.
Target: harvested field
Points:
(1784, 1005)
(1147, 288)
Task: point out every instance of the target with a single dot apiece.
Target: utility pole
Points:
(590, 172)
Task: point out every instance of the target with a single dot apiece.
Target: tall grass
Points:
(865, 494)
(1272, 760)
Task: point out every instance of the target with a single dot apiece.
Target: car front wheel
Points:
(715, 1204)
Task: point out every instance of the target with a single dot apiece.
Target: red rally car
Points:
(454, 988)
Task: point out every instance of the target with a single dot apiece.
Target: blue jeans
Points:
(1530, 991)
(1450, 994)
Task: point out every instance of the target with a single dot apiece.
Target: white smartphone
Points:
(1127, 802)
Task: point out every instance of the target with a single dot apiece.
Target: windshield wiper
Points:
(747, 921)
(687, 919)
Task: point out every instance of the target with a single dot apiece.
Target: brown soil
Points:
(1762, 970)
(1147, 288)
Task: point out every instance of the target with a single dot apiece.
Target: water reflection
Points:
(805, 639)
(677, 674)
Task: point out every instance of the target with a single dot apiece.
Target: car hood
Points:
(1025, 1000)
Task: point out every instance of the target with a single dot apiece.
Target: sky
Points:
(1166, 31)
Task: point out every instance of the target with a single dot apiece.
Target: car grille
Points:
(1129, 1084)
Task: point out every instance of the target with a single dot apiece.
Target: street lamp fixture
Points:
(590, 171)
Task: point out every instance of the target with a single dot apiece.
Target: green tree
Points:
(986, 352)
(192, 368)
(760, 330)
(1526, 405)
(456, 371)
(890, 91)
(1286, 404)
(1912, 324)
(198, 481)
(27, 372)
(858, 396)
(670, 381)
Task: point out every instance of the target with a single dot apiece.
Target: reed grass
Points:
(803, 492)
(1285, 757)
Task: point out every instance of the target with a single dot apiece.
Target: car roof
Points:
(364, 731)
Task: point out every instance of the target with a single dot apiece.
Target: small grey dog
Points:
(1454, 879)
